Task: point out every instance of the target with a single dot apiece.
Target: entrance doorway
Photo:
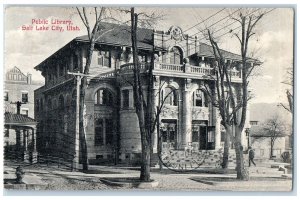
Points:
(203, 137)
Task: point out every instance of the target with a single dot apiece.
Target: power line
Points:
(231, 29)
(198, 23)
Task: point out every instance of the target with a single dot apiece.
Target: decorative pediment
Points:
(176, 33)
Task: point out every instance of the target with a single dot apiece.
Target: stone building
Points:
(182, 69)
(19, 87)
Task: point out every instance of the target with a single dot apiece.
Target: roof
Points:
(207, 50)
(17, 119)
(259, 131)
(119, 35)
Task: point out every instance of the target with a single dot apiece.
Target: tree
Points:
(232, 99)
(94, 33)
(274, 128)
(144, 108)
(289, 92)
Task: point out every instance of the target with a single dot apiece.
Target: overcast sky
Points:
(273, 40)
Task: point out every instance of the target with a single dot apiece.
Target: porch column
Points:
(18, 139)
(25, 142)
(218, 132)
(186, 116)
(25, 139)
(33, 139)
(34, 152)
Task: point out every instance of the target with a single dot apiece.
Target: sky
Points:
(273, 41)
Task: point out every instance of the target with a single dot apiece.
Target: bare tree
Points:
(274, 128)
(232, 99)
(144, 108)
(289, 92)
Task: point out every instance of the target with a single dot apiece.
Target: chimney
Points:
(18, 107)
(29, 78)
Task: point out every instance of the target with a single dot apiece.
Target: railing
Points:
(171, 67)
(198, 70)
(202, 70)
(130, 67)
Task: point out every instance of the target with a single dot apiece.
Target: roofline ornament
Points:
(176, 33)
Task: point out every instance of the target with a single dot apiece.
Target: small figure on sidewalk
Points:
(251, 156)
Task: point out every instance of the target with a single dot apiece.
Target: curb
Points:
(141, 185)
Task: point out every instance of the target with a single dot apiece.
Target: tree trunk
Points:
(138, 102)
(226, 148)
(242, 172)
(272, 146)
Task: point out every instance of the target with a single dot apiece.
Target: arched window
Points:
(103, 97)
(175, 56)
(73, 101)
(61, 102)
(49, 104)
(199, 99)
(169, 96)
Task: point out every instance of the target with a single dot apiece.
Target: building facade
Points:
(19, 87)
(19, 127)
(183, 72)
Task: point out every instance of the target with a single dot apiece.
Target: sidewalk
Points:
(262, 178)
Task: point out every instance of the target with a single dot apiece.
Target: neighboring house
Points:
(19, 125)
(260, 136)
(19, 87)
(261, 143)
(183, 68)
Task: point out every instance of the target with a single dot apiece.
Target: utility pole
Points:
(78, 77)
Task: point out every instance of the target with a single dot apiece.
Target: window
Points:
(169, 133)
(24, 97)
(61, 102)
(103, 58)
(5, 96)
(75, 61)
(109, 132)
(103, 97)
(125, 95)
(254, 123)
(199, 99)
(49, 104)
(99, 132)
(61, 69)
(103, 132)
(170, 96)
(37, 105)
(175, 56)
(195, 134)
(24, 112)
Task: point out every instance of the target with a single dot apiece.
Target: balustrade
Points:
(201, 70)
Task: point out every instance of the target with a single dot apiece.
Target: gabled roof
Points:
(16, 70)
(259, 131)
(119, 35)
(17, 119)
(207, 51)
